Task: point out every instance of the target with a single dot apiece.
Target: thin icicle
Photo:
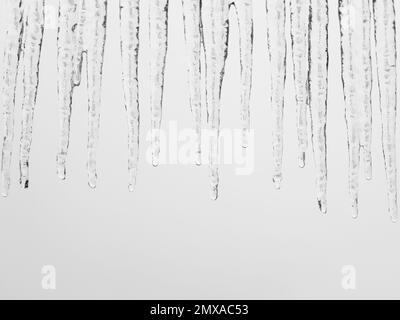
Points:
(299, 18)
(95, 36)
(129, 24)
(33, 29)
(276, 16)
(12, 52)
(319, 92)
(192, 25)
(158, 14)
(215, 19)
(386, 56)
(66, 45)
(74, 39)
(244, 11)
(355, 28)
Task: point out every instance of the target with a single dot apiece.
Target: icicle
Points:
(299, 16)
(66, 45)
(318, 93)
(355, 26)
(385, 39)
(129, 24)
(215, 20)
(95, 35)
(244, 11)
(24, 35)
(88, 36)
(191, 19)
(158, 13)
(12, 52)
(276, 15)
(33, 29)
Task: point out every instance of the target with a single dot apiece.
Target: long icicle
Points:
(33, 28)
(129, 24)
(299, 18)
(215, 19)
(244, 11)
(12, 52)
(386, 55)
(319, 93)
(276, 16)
(158, 14)
(355, 29)
(95, 37)
(192, 27)
(66, 60)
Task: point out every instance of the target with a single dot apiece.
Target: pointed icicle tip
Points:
(214, 193)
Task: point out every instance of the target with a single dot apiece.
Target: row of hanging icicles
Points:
(82, 33)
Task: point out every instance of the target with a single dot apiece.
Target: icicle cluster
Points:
(309, 34)
(23, 42)
(215, 21)
(82, 32)
(355, 26)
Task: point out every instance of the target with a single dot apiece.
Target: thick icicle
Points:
(129, 24)
(276, 16)
(386, 55)
(158, 14)
(244, 11)
(33, 36)
(319, 92)
(12, 52)
(66, 46)
(299, 18)
(82, 30)
(215, 19)
(355, 29)
(192, 25)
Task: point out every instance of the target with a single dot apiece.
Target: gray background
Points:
(168, 239)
